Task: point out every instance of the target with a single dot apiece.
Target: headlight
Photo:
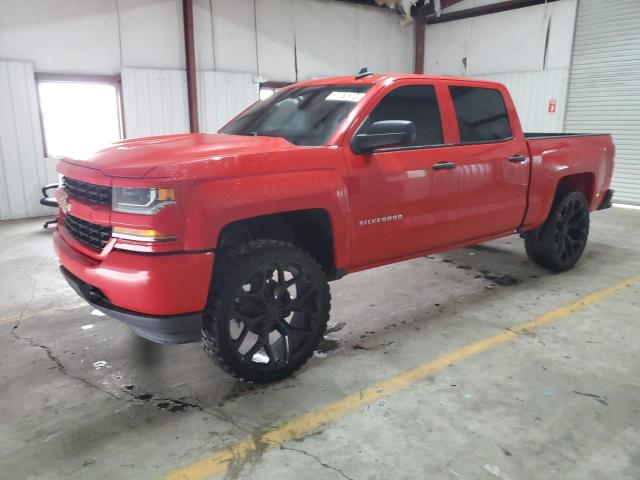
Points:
(145, 201)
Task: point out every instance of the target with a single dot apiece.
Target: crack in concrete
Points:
(598, 398)
(317, 459)
(133, 400)
(198, 405)
(59, 364)
(26, 307)
(181, 402)
(44, 311)
(130, 401)
(50, 355)
(261, 444)
(222, 417)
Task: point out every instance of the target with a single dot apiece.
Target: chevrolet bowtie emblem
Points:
(63, 203)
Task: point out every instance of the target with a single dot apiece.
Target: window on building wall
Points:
(80, 115)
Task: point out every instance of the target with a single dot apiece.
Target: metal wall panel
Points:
(604, 85)
(532, 92)
(535, 38)
(23, 170)
(222, 95)
(154, 102)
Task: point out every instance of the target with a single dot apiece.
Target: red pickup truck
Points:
(231, 238)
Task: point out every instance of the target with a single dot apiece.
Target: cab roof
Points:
(379, 78)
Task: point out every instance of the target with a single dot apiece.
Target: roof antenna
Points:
(364, 72)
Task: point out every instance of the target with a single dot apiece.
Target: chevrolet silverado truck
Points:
(231, 238)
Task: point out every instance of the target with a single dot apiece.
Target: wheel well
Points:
(308, 229)
(580, 182)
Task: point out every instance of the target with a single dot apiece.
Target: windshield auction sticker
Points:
(344, 96)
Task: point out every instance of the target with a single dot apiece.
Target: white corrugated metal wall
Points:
(155, 101)
(273, 39)
(604, 85)
(531, 55)
(532, 92)
(22, 164)
(222, 95)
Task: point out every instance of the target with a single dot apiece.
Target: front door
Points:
(402, 199)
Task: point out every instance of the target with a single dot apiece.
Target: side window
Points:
(416, 103)
(482, 115)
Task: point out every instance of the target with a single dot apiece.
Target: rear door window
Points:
(416, 103)
(481, 113)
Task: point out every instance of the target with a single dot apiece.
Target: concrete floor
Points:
(82, 397)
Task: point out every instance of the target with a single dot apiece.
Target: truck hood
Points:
(137, 158)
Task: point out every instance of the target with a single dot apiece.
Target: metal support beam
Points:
(447, 3)
(190, 55)
(420, 27)
(366, 3)
(484, 10)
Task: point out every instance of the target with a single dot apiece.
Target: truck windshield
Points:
(302, 115)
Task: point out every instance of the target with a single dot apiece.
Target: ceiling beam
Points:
(483, 10)
(448, 3)
(368, 3)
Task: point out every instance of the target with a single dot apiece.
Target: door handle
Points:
(444, 166)
(517, 158)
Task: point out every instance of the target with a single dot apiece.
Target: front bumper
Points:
(160, 296)
(168, 329)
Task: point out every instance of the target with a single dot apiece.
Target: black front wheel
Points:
(267, 311)
(559, 243)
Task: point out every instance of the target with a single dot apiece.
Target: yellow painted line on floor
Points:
(310, 421)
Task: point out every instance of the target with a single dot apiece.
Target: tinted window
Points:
(416, 103)
(302, 115)
(482, 115)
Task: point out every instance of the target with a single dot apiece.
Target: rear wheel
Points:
(267, 310)
(560, 242)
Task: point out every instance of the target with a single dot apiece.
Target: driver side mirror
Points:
(386, 133)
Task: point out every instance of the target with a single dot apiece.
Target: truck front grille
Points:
(86, 191)
(91, 234)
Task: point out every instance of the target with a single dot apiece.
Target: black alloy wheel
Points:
(268, 310)
(571, 230)
(559, 244)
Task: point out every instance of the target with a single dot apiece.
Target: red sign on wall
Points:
(553, 104)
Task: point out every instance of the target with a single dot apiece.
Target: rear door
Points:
(491, 162)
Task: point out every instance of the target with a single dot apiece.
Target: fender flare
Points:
(213, 204)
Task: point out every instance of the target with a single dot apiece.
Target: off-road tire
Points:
(560, 242)
(242, 288)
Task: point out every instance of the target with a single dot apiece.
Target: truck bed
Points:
(588, 158)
